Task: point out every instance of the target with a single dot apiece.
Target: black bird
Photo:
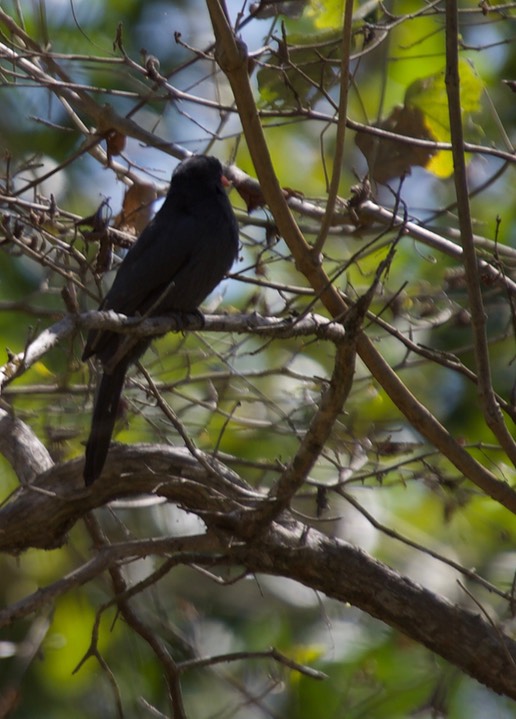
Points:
(179, 258)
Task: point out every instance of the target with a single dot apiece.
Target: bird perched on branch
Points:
(179, 258)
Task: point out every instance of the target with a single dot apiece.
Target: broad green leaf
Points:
(424, 115)
(330, 14)
(429, 95)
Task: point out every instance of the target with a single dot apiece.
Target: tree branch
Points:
(277, 327)
(348, 574)
(332, 566)
(22, 449)
(341, 129)
(491, 408)
(231, 56)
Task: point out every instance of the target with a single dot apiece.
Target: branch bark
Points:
(490, 407)
(285, 548)
(25, 453)
(232, 58)
(277, 327)
(348, 574)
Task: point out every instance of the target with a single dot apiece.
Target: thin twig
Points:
(490, 407)
(338, 158)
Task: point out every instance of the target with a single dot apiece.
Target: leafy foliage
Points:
(406, 469)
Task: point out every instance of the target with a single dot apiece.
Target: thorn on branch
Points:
(117, 42)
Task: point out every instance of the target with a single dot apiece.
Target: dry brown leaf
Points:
(136, 210)
(388, 158)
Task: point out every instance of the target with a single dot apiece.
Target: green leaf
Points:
(429, 95)
(326, 13)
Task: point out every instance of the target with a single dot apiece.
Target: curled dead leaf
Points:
(115, 142)
(388, 158)
(136, 208)
(251, 195)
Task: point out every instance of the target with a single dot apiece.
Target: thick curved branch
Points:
(25, 453)
(59, 498)
(349, 575)
(331, 404)
(223, 500)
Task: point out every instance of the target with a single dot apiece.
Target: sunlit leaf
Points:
(327, 14)
(137, 208)
(41, 369)
(429, 95)
(424, 116)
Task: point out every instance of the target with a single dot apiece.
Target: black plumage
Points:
(179, 258)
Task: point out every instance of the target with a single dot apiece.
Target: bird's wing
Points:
(175, 263)
(161, 251)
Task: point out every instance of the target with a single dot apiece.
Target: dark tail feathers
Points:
(103, 422)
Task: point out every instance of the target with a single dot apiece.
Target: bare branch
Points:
(22, 449)
(329, 565)
(232, 59)
(277, 327)
(490, 406)
(341, 128)
(347, 574)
